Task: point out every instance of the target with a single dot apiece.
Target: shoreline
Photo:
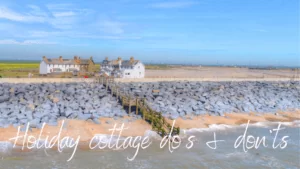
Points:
(87, 129)
(138, 127)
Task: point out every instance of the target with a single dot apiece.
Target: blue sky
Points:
(243, 32)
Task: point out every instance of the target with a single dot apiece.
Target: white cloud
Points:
(62, 6)
(260, 30)
(63, 14)
(42, 34)
(176, 4)
(112, 27)
(65, 17)
(66, 10)
(26, 42)
(36, 11)
(110, 37)
(11, 15)
(72, 34)
(64, 22)
(6, 13)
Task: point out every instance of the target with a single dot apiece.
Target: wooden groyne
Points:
(157, 121)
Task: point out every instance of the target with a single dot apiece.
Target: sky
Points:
(223, 32)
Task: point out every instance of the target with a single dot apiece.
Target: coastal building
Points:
(123, 68)
(77, 64)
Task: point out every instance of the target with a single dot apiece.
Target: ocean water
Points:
(198, 156)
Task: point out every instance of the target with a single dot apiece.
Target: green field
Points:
(18, 69)
(157, 66)
(18, 66)
(22, 69)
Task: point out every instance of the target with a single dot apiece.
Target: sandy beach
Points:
(219, 72)
(87, 129)
(185, 73)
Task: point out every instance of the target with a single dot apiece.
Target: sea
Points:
(259, 145)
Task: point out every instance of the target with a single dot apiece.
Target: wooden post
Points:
(137, 107)
(106, 84)
(151, 117)
(129, 108)
(144, 113)
(117, 92)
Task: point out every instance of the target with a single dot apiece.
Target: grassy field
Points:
(157, 67)
(22, 69)
(18, 69)
(18, 66)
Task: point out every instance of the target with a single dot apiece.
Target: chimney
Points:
(91, 58)
(131, 59)
(106, 58)
(45, 59)
(60, 58)
(119, 58)
(77, 59)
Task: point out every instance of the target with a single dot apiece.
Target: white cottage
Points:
(123, 68)
(66, 65)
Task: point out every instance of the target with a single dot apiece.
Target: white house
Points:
(123, 68)
(66, 65)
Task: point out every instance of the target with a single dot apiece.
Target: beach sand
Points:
(182, 73)
(219, 72)
(88, 129)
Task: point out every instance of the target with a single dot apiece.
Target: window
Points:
(127, 73)
(57, 70)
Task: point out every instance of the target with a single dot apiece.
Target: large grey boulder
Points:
(4, 98)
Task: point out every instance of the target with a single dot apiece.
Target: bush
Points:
(0, 76)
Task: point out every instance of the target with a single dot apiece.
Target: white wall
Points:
(43, 67)
(138, 71)
(64, 68)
